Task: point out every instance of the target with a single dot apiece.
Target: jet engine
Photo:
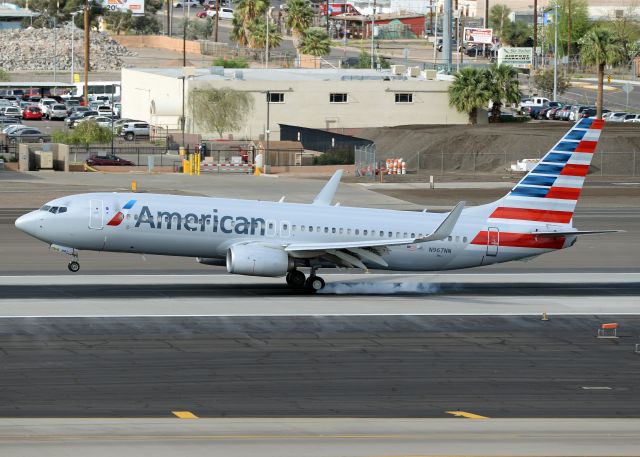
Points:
(255, 260)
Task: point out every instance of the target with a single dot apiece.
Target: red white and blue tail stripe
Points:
(548, 194)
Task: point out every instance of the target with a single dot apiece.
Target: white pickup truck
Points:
(526, 104)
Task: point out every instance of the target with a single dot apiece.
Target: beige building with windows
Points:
(323, 99)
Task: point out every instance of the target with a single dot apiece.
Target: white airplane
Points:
(275, 239)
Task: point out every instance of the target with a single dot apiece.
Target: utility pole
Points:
(486, 14)
(568, 34)
(326, 4)
(435, 40)
(168, 17)
(535, 33)
(431, 16)
(266, 45)
(217, 19)
(86, 52)
(461, 36)
(555, 57)
(373, 26)
(184, 42)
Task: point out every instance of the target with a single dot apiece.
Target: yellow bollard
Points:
(191, 164)
(544, 317)
(185, 166)
(198, 163)
(256, 171)
(134, 186)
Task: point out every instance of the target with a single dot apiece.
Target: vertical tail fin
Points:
(548, 194)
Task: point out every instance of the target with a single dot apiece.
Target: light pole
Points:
(267, 132)
(73, 28)
(113, 94)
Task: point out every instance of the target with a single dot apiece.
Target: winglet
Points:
(444, 229)
(325, 196)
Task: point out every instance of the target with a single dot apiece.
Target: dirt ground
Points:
(492, 148)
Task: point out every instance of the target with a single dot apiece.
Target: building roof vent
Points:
(216, 70)
(239, 74)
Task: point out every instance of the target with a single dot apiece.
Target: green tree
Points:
(220, 110)
(504, 87)
(600, 47)
(86, 133)
(468, 92)
(299, 19)
(576, 14)
(364, 60)
(518, 34)
(4, 76)
(499, 19)
(625, 29)
(145, 25)
(315, 42)
(197, 30)
(243, 17)
(62, 10)
(543, 80)
(119, 21)
(258, 31)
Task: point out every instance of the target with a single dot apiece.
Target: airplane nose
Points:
(28, 223)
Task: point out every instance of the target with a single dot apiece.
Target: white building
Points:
(324, 99)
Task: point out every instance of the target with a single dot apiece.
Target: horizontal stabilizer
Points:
(444, 229)
(576, 232)
(329, 190)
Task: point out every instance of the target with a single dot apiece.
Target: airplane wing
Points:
(352, 253)
(325, 196)
(576, 232)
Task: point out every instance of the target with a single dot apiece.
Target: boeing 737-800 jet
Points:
(262, 238)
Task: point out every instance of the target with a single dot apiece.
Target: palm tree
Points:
(315, 42)
(599, 47)
(299, 18)
(468, 92)
(258, 39)
(503, 85)
(244, 15)
(499, 19)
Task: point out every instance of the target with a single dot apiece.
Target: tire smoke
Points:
(380, 288)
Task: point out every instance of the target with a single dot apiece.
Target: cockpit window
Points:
(54, 209)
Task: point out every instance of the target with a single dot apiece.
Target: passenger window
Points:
(135, 217)
(457, 239)
(293, 227)
(397, 234)
(302, 228)
(381, 233)
(311, 228)
(348, 231)
(413, 235)
(270, 225)
(405, 234)
(326, 230)
(464, 239)
(333, 230)
(419, 235)
(357, 231)
(364, 232)
(341, 230)
(390, 234)
(449, 238)
(285, 226)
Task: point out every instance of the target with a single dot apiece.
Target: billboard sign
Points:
(516, 57)
(477, 36)
(135, 6)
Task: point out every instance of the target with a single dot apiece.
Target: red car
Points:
(108, 160)
(201, 14)
(32, 112)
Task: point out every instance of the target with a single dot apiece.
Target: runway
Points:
(319, 366)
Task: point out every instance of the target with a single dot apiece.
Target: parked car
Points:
(563, 113)
(102, 121)
(57, 111)
(225, 13)
(32, 112)
(5, 121)
(131, 130)
(10, 111)
(104, 109)
(528, 103)
(576, 112)
(631, 118)
(13, 127)
(28, 135)
(185, 3)
(72, 120)
(117, 109)
(108, 159)
(45, 104)
(78, 109)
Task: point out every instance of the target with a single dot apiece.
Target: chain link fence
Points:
(464, 163)
(365, 161)
(139, 155)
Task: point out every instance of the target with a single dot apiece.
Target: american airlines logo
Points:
(200, 222)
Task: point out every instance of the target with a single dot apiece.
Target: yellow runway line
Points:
(184, 415)
(466, 414)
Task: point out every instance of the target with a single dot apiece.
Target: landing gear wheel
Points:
(314, 283)
(296, 279)
(73, 266)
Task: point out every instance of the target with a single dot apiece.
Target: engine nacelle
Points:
(255, 260)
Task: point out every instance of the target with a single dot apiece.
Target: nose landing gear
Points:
(296, 280)
(73, 266)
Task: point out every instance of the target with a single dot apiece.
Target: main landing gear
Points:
(297, 281)
(74, 266)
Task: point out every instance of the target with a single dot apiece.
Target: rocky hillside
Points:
(33, 49)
